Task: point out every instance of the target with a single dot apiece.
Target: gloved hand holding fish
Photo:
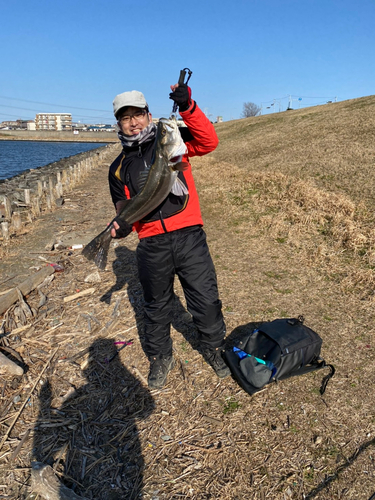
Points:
(156, 182)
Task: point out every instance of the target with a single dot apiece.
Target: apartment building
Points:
(16, 124)
(53, 121)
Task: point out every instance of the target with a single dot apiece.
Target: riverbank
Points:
(17, 157)
(33, 135)
(24, 198)
(281, 246)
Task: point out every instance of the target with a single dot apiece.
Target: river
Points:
(18, 156)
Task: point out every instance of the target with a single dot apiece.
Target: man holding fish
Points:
(171, 239)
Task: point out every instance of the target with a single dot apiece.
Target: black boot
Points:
(214, 358)
(160, 366)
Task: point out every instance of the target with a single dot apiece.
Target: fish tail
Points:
(97, 249)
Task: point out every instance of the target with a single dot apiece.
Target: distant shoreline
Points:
(50, 136)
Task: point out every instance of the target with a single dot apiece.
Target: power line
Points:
(306, 97)
(21, 116)
(15, 116)
(17, 107)
(88, 117)
(276, 99)
(298, 98)
(51, 104)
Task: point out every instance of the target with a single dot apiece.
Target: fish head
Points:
(170, 139)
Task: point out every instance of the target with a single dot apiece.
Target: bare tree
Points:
(250, 109)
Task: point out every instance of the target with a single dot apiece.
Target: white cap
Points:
(132, 98)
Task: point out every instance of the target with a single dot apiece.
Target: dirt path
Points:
(108, 436)
(84, 212)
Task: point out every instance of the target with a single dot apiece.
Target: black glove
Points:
(124, 228)
(181, 96)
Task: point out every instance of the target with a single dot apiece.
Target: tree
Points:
(250, 109)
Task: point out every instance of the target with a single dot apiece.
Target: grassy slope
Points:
(308, 177)
(331, 144)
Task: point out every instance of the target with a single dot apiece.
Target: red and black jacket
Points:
(174, 212)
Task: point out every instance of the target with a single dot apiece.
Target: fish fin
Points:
(180, 166)
(97, 249)
(179, 188)
(142, 178)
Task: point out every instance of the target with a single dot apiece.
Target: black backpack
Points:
(274, 351)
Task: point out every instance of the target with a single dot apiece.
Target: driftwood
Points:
(5, 230)
(25, 287)
(46, 484)
(89, 291)
(6, 365)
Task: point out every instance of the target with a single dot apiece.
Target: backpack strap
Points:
(318, 365)
(326, 378)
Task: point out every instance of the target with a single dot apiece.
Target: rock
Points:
(50, 246)
(318, 440)
(59, 202)
(93, 278)
(59, 245)
(166, 438)
(8, 366)
(47, 485)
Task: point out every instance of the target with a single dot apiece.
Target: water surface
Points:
(18, 156)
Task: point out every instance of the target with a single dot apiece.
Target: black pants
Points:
(183, 252)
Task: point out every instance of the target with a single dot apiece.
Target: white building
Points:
(53, 121)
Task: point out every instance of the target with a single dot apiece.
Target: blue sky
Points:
(76, 55)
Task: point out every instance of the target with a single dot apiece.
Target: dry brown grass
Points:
(330, 145)
(306, 176)
(285, 241)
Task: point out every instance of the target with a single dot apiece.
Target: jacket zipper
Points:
(162, 221)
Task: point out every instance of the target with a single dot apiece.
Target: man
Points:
(171, 238)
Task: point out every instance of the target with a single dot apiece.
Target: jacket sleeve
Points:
(116, 186)
(204, 135)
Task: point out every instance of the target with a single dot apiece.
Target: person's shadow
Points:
(92, 440)
(125, 269)
(126, 272)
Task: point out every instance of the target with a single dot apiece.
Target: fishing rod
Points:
(181, 80)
